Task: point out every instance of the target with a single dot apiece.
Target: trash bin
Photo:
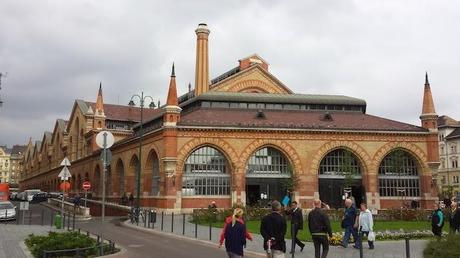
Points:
(58, 221)
(153, 216)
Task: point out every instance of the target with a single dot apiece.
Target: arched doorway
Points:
(399, 176)
(206, 172)
(133, 174)
(340, 176)
(267, 176)
(120, 170)
(154, 165)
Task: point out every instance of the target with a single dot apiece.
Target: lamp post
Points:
(131, 103)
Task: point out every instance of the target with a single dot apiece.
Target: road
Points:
(136, 243)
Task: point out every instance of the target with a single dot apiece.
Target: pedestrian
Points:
(76, 202)
(124, 199)
(350, 224)
(228, 222)
(296, 225)
(235, 234)
(131, 199)
(437, 220)
(454, 218)
(366, 223)
(273, 230)
(320, 228)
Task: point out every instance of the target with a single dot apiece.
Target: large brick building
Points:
(244, 137)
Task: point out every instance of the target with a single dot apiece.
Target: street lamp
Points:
(131, 103)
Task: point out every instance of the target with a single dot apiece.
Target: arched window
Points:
(268, 162)
(206, 172)
(155, 166)
(339, 163)
(399, 175)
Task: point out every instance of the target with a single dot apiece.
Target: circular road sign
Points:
(109, 139)
(65, 186)
(86, 185)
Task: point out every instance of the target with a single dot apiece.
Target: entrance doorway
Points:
(332, 191)
(261, 191)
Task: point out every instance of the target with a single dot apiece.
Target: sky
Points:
(54, 52)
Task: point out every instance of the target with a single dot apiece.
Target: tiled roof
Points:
(18, 149)
(454, 134)
(293, 119)
(126, 113)
(447, 121)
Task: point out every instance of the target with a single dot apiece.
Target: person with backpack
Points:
(437, 220)
(320, 228)
(235, 235)
(229, 222)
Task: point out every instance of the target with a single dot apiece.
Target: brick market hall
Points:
(242, 137)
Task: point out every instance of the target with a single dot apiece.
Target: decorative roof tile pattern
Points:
(293, 119)
(126, 113)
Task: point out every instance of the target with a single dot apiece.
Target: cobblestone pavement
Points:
(11, 237)
(385, 249)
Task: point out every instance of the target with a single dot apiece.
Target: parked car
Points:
(13, 195)
(22, 196)
(57, 195)
(7, 210)
(30, 194)
(39, 197)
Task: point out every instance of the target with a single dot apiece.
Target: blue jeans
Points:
(348, 232)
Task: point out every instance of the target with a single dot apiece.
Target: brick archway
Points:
(354, 148)
(414, 150)
(250, 84)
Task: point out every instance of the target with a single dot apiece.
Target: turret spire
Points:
(100, 102)
(428, 104)
(172, 92)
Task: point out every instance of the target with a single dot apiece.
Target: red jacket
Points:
(228, 221)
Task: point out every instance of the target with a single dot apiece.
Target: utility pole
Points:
(1, 75)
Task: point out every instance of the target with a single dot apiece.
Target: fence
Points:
(181, 224)
(35, 217)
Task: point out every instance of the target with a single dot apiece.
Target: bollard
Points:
(148, 218)
(162, 217)
(73, 222)
(79, 230)
(407, 248)
(6, 216)
(30, 217)
(172, 222)
(196, 229)
(145, 218)
(17, 216)
(183, 224)
(68, 221)
(63, 221)
(52, 218)
(361, 235)
(87, 233)
(43, 217)
(292, 241)
(210, 230)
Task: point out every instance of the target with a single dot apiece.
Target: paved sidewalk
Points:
(385, 249)
(12, 237)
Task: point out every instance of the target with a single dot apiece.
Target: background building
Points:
(244, 137)
(449, 156)
(4, 164)
(16, 159)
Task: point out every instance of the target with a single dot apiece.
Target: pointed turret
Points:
(428, 104)
(172, 92)
(100, 102)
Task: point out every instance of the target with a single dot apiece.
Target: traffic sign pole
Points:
(64, 175)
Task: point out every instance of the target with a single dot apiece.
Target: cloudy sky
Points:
(57, 51)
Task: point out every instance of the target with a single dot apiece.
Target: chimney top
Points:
(202, 28)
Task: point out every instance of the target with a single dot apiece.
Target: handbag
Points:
(371, 236)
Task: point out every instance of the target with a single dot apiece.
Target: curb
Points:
(205, 242)
(25, 250)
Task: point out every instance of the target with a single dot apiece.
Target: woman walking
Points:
(234, 234)
(366, 223)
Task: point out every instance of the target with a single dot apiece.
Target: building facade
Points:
(16, 165)
(244, 137)
(5, 164)
(449, 156)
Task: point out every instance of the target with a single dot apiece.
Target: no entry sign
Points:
(86, 185)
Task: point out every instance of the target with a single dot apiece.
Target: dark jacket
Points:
(318, 222)
(235, 238)
(437, 218)
(456, 220)
(296, 217)
(274, 226)
(349, 217)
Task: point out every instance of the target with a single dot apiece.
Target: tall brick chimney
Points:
(202, 59)
(429, 118)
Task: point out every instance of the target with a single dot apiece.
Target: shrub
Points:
(59, 241)
(446, 248)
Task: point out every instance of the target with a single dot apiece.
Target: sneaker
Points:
(355, 247)
(301, 249)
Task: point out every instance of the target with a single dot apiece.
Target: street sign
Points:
(64, 186)
(65, 162)
(109, 139)
(24, 206)
(64, 174)
(86, 185)
(108, 155)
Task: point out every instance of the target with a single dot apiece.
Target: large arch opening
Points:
(399, 176)
(340, 177)
(206, 172)
(134, 167)
(268, 173)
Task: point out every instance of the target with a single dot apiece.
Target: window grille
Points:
(206, 173)
(398, 175)
(268, 162)
(338, 163)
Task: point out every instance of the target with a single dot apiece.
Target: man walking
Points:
(273, 229)
(320, 228)
(350, 224)
(437, 220)
(296, 225)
